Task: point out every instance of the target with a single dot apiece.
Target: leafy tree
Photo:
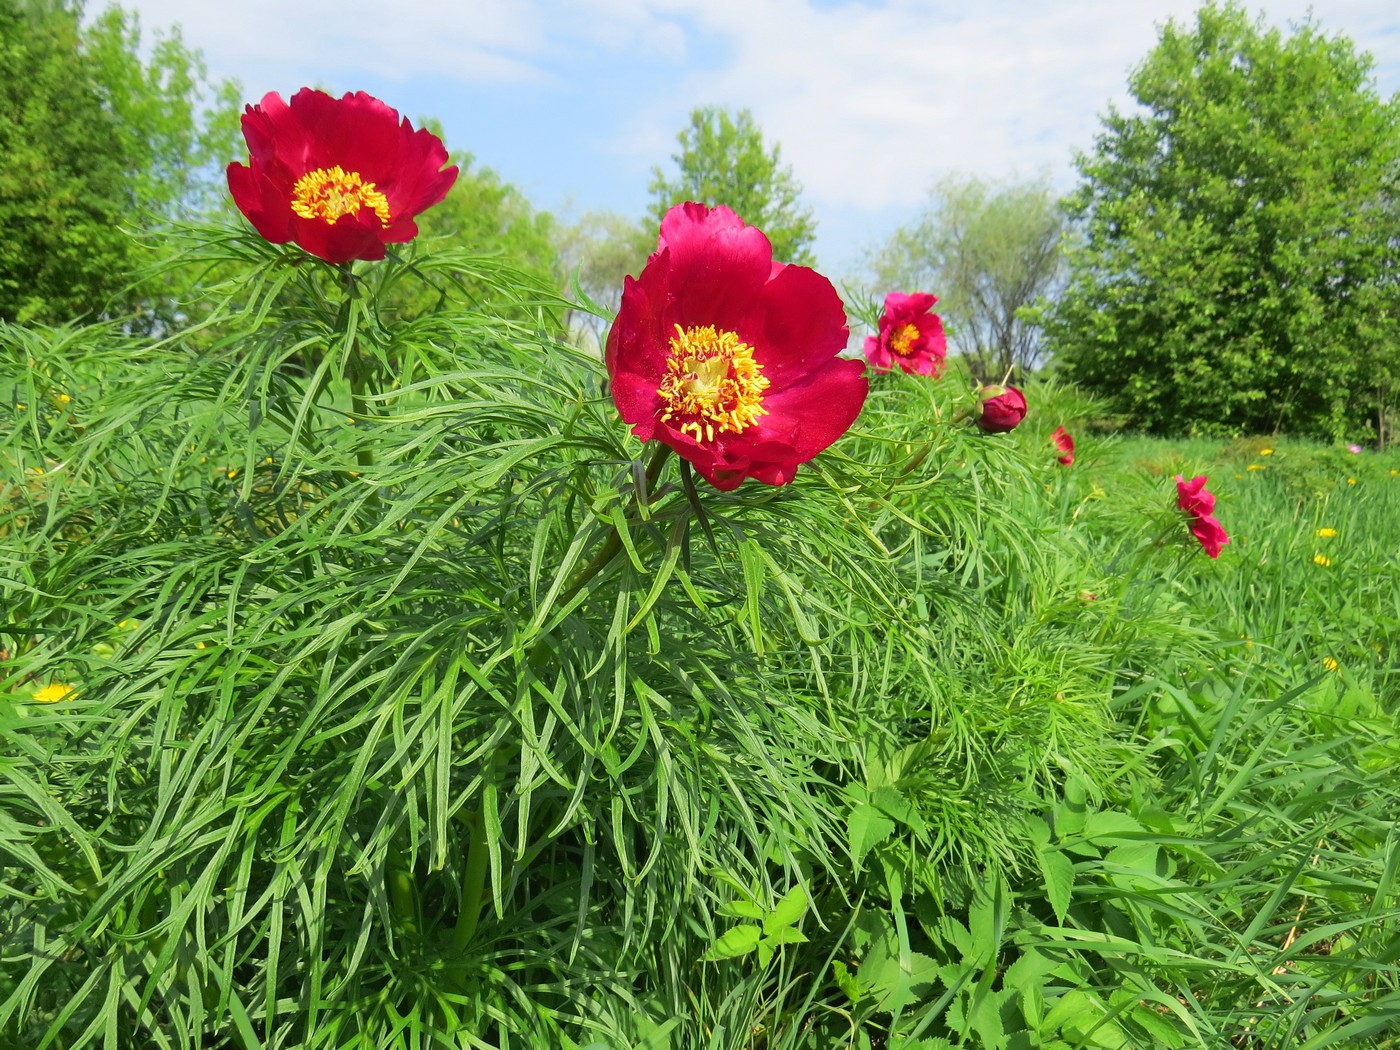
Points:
(599, 251)
(1238, 271)
(988, 250)
(723, 160)
(485, 216)
(96, 144)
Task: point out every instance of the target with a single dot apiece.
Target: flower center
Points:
(712, 382)
(329, 193)
(902, 340)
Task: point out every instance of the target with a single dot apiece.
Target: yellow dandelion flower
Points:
(269, 459)
(1327, 534)
(199, 645)
(1330, 663)
(1351, 481)
(1256, 466)
(62, 399)
(53, 693)
(1394, 473)
(1266, 452)
(1322, 559)
(20, 406)
(231, 473)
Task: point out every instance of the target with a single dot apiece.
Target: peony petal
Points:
(805, 417)
(804, 326)
(718, 265)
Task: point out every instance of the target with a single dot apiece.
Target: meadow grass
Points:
(415, 705)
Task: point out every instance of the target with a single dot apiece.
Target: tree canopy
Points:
(724, 160)
(1238, 271)
(987, 250)
(95, 144)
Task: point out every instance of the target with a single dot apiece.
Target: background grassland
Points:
(943, 744)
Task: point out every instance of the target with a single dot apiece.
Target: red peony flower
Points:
(1192, 497)
(1003, 408)
(340, 177)
(910, 336)
(1065, 444)
(1198, 504)
(729, 357)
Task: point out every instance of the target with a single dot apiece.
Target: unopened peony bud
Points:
(1003, 408)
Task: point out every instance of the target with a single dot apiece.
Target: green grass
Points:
(416, 705)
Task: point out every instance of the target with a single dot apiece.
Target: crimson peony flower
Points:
(1199, 505)
(729, 357)
(340, 177)
(910, 336)
(1065, 444)
(1003, 408)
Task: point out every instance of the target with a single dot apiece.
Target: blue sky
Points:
(574, 101)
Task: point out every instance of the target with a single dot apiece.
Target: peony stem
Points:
(478, 854)
(613, 543)
(473, 883)
(355, 365)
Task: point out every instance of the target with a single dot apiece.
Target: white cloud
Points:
(872, 101)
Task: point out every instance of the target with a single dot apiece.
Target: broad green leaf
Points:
(740, 940)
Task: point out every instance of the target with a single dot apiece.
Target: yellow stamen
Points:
(329, 193)
(902, 339)
(712, 382)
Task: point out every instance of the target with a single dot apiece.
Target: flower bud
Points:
(1003, 408)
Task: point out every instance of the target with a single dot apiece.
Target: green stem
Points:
(613, 543)
(473, 884)
(478, 855)
(355, 366)
(1133, 569)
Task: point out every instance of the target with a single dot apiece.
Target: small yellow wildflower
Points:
(62, 399)
(349, 419)
(1394, 473)
(269, 459)
(20, 406)
(231, 473)
(1327, 534)
(1266, 452)
(1239, 475)
(1322, 559)
(129, 625)
(1256, 466)
(1330, 663)
(199, 645)
(1351, 481)
(53, 693)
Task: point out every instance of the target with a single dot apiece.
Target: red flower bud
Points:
(1065, 444)
(1003, 408)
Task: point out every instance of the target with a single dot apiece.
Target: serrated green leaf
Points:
(866, 828)
(735, 942)
(1058, 871)
(787, 911)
